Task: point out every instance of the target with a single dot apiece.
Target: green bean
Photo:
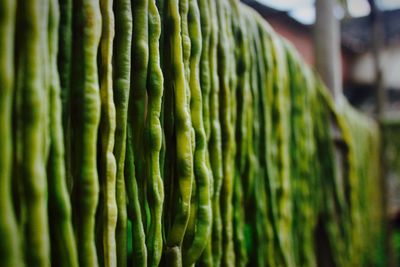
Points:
(206, 257)
(107, 134)
(249, 141)
(239, 72)
(139, 254)
(121, 83)
(46, 72)
(31, 86)
(228, 256)
(300, 159)
(136, 182)
(185, 38)
(168, 153)
(205, 78)
(64, 56)
(86, 117)
(63, 252)
(64, 63)
(183, 131)
(186, 50)
(137, 100)
(263, 212)
(17, 182)
(174, 256)
(238, 223)
(243, 93)
(214, 144)
(205, 86)
(191, 226)
(232, 28)
(155, 88)
(255, 150)
(162, 46)
(10, 250)
(281, 107)
(270, 171)
(186, 23)
(252, 125)
(201, 171)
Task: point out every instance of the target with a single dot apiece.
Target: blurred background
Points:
(355, 46)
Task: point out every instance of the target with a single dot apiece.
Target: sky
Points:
(304, 11)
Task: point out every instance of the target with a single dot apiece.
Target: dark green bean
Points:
(137, 99)
(85, 120)
(214, 145)
(64, 62)
(63, 247)
(228, 255)
(10, 249)
(121, 84)
(139, 254)
(31, 87)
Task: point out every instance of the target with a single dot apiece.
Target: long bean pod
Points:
(10, 249)
(137, 98)
(63, 246)
(185, 38)
(205, 77)
(183, 131)
(64, 63)
(205, 86)
(135, 167)
(107, 134)
(263, 212)
(155, 88)
(214, 144)
(85, 121)
(31, 85)
(228, 256)
(201, 171)
(280, 108)
(139, 251)
(240, 72)
(121, 85)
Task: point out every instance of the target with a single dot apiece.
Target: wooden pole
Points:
(327, 46)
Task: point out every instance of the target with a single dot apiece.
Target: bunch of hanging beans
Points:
(174, 133)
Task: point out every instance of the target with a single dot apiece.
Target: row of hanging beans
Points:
(174, 133)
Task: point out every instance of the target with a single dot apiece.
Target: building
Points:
(358, 70)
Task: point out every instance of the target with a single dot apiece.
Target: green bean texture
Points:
(85, 122)
(63, 252)
(10, 249)
(121, 83)
(175, 133)
(107, 136)
(155, 92)
(30, 85)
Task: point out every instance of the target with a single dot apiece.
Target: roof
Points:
(357, 33)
